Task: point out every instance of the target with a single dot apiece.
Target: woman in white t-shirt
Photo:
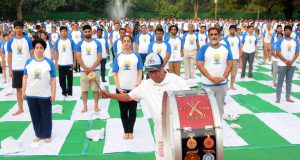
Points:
(39, 90)
(127, 73)
(49, 49)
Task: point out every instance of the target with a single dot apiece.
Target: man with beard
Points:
(89, 55)
(160, 47)
(287, 50)
(214, 61)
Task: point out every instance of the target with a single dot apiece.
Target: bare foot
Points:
(126, 136)
(36, 139)
(84, 110)
(18, 112)
(277, 101)
(8, 94)
(289, 100)
(96, 109)
(274, 84)
(130, 136)
(47, 140)
(232, 88)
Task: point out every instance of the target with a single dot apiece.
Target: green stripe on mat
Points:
(262, 69)
(261, 76)
(296, 94)
(5, 106)
(258, 134)
(256, 87)
(14, 129)
(297, 82)
(255, 104)
(284, 153)
(68, 107)
(114, 110)
(111, 80)
(76, 81)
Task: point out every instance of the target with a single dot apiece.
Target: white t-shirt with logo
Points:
(176, 45)
(144, 41)
(65, 49)
(234, 43)
(104, 44)
(249, 42)
(76, 36)
(288, 48)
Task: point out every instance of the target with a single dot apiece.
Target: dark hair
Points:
(250, 27)
(46, 34)
(214, 28)
(143, 26)
(203, 27)
(288, 27)
(172, 27)
(159, 29)
(298, 24)
(63, 28)
(123, 29)
(40, 41)
(279, 26)
(232, 26)
(18, 23)
(279, 34)
(129, 38)
(86, 27)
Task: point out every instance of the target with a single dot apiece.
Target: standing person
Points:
(287, 50)
(105, 52)
(76, 35)
(89, 54)
(161, 47)
(127, 73)
(49, 49)
(117, 45)
(275, 60)
(202, 36)
(176, 50)
(249, 48)
(214, 61)
(39, 88)
(233, 41)
(19, 50)
(267, 35)
(190, 48)
(114, 35)
(65, 60)
(142, 42)
(151, 91)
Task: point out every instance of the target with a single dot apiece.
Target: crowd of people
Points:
(31, 52)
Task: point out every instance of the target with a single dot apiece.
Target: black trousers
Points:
(103, 63)
(128, 114)
(250, 58)
(41, 115)
(66, 72)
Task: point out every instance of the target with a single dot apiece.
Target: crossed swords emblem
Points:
(194, 108)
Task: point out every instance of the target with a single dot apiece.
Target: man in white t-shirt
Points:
(190, 49)
(151, 91)
(105, 51)
(19, 50)
(287, 50)
(275, 59)
(89, 54)
(214, 61)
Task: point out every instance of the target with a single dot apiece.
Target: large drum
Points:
(191, 126)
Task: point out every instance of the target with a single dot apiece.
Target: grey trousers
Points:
(288, 74)
(274, 71)
(219, 92)
(250, 58)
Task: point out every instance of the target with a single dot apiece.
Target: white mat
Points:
(60, 131)
(286, 106)
(91, 114)
(232, 107)
(143, 140)
(239, 90)
(231, 138)
(285, 124)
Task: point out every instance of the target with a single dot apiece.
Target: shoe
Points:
(250, 76)
(103, 80)
(242, 77)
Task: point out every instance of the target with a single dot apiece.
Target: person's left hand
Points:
(104, 94)
(52, 99)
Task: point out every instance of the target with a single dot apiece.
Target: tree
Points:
(167, 10)
(195, 8)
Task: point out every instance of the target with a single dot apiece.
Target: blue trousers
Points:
(41, 116)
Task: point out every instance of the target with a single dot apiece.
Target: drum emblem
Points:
(194, 108)
(208, 142)
(191, 143)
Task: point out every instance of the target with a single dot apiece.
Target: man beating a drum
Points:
(151, 91)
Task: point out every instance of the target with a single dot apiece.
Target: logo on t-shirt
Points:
(217, 59)
(37, 74)
(191, 40)
(175, 46)
(158, 50)
(127, 65)
(250, 40)
(232, 43)
(19, 49)
(145, 39)
(88, 50)
(289, 48)
(64, 47)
